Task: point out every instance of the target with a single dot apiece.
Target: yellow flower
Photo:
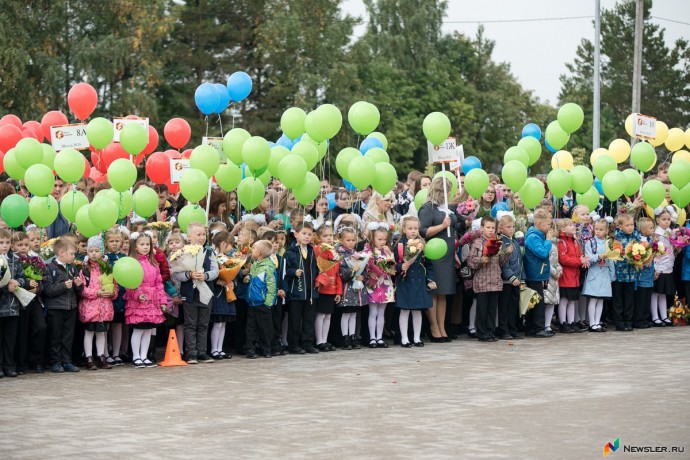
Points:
(413, 249)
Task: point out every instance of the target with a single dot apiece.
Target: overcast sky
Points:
(538, 51)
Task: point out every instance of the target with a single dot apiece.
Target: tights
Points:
(100, 343)
(659, 307)
(566, 311)
(548, 315)
(348, 323)
(140, 343)
(473, 315)
(376, 320)
(416, 325)
(217, 337)
(596, 306)
(322, 327)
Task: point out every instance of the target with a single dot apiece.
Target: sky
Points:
(538, 51)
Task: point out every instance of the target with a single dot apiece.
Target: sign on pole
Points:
(643, 126)
(444, 153)
(69, 137)
(120, 122)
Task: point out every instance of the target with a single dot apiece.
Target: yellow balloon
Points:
(596, 154)
(682, 217)
(675, 139)
(562, 159)
(681, 155)
(687, 138)
(619, 150)
(628, 125)
(661, 134)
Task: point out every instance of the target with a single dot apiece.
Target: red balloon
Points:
(26, 132)
(173, 154)
(173, 188)
(177, 132)
(82, 100)
(110, 154)
(52, 118)
(9, 136)
(187, 153)
(138, 159)
(36, 128)
(153, 141)
(97, 176)
(87, 168)
(158, 168)
(2, 162)
(11, 119)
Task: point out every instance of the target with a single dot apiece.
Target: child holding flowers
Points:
(380, 268)
(664, 284)
(600, 274)
(626, 274)
(222, 307)
(352, 275)
(328, 283)
(645, 280)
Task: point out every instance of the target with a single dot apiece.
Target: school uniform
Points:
(277, 311)
(411, 292)
(302, 296)
(643, 294)
(623, 289)
(31, 336)
(9, 316)
(487, 285)
(663, 264)
(570, 258)
(62, 305)
(601, 273)
(509, 299)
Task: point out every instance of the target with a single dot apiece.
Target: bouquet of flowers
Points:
(46, 249)
(679, 313)
(658, 248)
(413, 248)
(637, 253)
(162, 229)
(191, 259)
(614, 251)
(326, 258)
(5, 275)
(528, 299)
(466, 208)
(33, 268)
(357, 263)
(385, 261)
(492, 247)
(229, 269)
(106, 279)
(680, 237)
(520, 237)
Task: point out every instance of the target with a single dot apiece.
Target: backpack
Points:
(256, 293)
(466, 273)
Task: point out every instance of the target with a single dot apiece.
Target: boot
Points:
(102, 363)
(90, 364)
(347, 342)
(354, 342)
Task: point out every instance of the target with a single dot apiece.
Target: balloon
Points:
(239, 86)
(71, 202)
(548, 147)
(194, 185)
(370, 143)
(643, 156)
(123, 200)
(307, 152)
(633, 181)
(570, 117)
(233, 142)
(310, 125)
(532, 192)
(223, 97)
(681, 155)
(559, 180)
(450, 177)
(52, 118)
(39, 180)
(363, 117)
(11, 119)
(331, 200)
(83, 222)
(43, 210)
(82, 100)
(35, 127)
(153, 141)
(69, 165)
(614, 184)
(382, 138)
(321, 148)
(100, 133)
(277, 154)
(436, 127)
(518, 154)
(145, 202)
(228, 176)
(122, 174)
(109, 154)
(361, 172)
(678, 173)
(377, 155)
(619, 150)
(629, 125)
(531, 130)
(556, 136)
(103, 213)
(653, 193)
(598, 153)
(470, 163)
(385, 178)
(11, 167)
(264, 177)
(514, 173)
(206, 159)
(420, 198)
(207, 98)
(562, 159)
(532, 147)
(292, 122)
(680, 197)
(328, 120)
(14, 210)
(286, 142)
(604, 164)
(292, 171)
(28, 151)
(177, 132)
(589, 199)
(10, 135)
(435, 249)
(158, 168)
(251, 192)
(687, 138)
(128, 272)
(476, 182)
(190, 214)
(343, 159)
(675, 139)
(349, 186)
(580, 178)
(308, 190)
(661, 134)
(599, 186)
(133, 138)
(500, 206)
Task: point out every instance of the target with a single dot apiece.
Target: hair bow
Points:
(501, 214)
(346, 227)
(372, 226)
(136, 235)
(672, 211)
(258, 218)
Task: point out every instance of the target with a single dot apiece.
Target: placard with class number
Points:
(644, 126)
(177, 168)
(120, 122)
(444, 153)
(457, 164)
(216, 143)
(69, 137)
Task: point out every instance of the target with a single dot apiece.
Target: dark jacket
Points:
(537, 265)
(187, 290)
(300, 287)
(512, 270)
(9, 304)
(56, 296)
(119, 301)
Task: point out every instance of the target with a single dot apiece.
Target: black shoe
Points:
(297, 351)
(641, 325)
(543, 334)
(438, 339)
(381, 344)
(658, 323)
(582, 325)
(447, 339)
(419, 344)
(330, 347)
(322, 347)
(668, 323)
(484, 338)
(354, 341)
(372, 343)
(565, 328)
(39, 369)
(577, 329)
(596, 328)
(69, 367)
(267, 355)
(204, 358)
(11, 374)
(251, 355)
(347, 343)
(516, 336)
(311, 351)
(506, 337)
(472, 334)
(406, 345)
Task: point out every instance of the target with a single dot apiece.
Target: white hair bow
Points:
(371, 226)
(672, 211)
(258, 218)
(501, 214)
(136, 235)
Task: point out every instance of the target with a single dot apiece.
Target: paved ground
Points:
(557, 398)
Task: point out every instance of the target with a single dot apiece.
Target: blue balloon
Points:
(285, 142)
(501, 206)
(223, 97)
(549, 148)
(349, 186)
(206, 98)
(239, 86)
(532, 130)
(369, 143)
(470, 163)
(331, 200)
(598, 185)
(272, 144)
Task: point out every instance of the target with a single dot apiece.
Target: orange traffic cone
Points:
(172, 352)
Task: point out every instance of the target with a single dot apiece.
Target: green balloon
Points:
(43, 210)
(71, 202)
(533, 148)
(476, 182)
(643, 156)
(653, 193)
(436, 127)
(532, 192)
(194, 185)
(128, 272)
(516, 153)
(264, 176)
(678, 173)
(39, 179)
(277, 154)
(256, 152)
(420, 198)
(589, 198)
(514, 174)
(633, 181)
(145, 202)
(123, 200)
(292, 171)
(604, 164)
(570, 117)
(362, 172)
(12, 168)
(310, 126)
(190, 214)
(100, 133)
(381, 137)
(309, 190)
(556, 136)
(377, 155)
(581, 179)
(435, 249)
(292, 122)
(206, 159)
(342, 161)
(308, 152)
(84, 224)
(228, 177)
(385, 178)
(133, 138)
(122, 174)
(103, 213)
(69, 165)
(451, 178)
(680, 196)
(363, 117)
(614, 184)
(28, 151)
(328, 120)
(558, 181)
(251, 192)
(48, 156)
(14, 210)
(232, 144)
(322, 147)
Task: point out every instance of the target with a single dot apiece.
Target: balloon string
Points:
(232, 111)
(206, 120)
(220, 122)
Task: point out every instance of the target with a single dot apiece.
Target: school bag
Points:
(257, 290)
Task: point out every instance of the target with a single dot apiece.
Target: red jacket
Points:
(163, 266)
(570, 257)
(328, 282)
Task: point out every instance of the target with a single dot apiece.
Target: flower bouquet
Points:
(385, 261)
(33, 268)
(46, 249)
(637, 253)
(229, 269)
(492, 247)
(191, 259)
(357, 263)
(326, 259)
(614, 250)
(413, 248)
(106, 279)
(162, 229)
(5, 275)
(658, 248)
(528, 299)
(25, 297)
(679, 313)
(680, 237)
(467, 208)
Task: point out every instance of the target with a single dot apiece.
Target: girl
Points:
(221, 311)
(217, 211)
(551, 293)
(321, 213)
(582, 219)
(329, 285)
(415, 278)
(521, 220)
(486, 202)
(600, 275)
(380, 286)
(664, 284)
(571, 259)
(96, 305)
(174, 242)
(145, 304)
(353, 277)
(118, 333)
(285, 206)
(423, 182)
(233, 210)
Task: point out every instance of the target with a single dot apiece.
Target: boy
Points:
(197, 314)
(623, 289)
(277, 348)
(34, 235)
(643, 289)
(538, 269)
(261, 297)
(9, 306)
(81, 247)
(61, 289)
(300, 273)
(245, 240)
(512, 275)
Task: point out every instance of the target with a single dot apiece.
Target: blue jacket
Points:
(300, 287)
(626, 273)
(686, 263)
(537, 248)
(513, 268)
(646, 274)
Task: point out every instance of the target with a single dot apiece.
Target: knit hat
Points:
(94, 242)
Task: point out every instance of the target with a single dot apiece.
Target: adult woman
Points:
(422, 182)
(217, 210)
(379, 210)
(435, 219)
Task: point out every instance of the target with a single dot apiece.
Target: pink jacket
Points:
(148, 311)
(94, 309)
(379, 284)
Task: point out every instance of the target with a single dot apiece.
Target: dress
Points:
(444, 268)
(352, 299)
(411, 292)
(601, 273)
(379, 283)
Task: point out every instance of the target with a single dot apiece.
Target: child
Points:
(487, 282)
(354, 295)
(10, 306)
(174, 242)
(222, 311)
(538, 269)
(34, 234)
(162, 261)
(664, 284)
(512, 276)
(600, 275)
(300, 274)
(245, 240)
(328, 284)
(145, 304)
(81, 248)
(645, 281)
(95, 306)
(280, 243)
(414, 282)
(571, 259)
(552, 295)
(118, 333)
(260, 297)
(279, 343)
(582, 219)
(380, 282)
(61, 288)
(626, 275)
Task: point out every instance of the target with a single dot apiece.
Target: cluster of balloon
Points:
(213, 98)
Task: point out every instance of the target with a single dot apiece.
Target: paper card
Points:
(120, 122)
(457, 164)
(177, 168)
(69, 137)
(644, 126)
(216, 143)
(444, 153)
